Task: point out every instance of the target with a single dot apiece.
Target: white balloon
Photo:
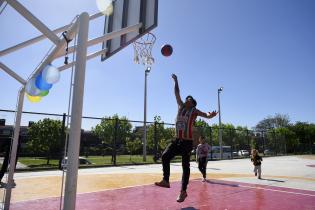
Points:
(31, 88)
(105, 6)
(51, 74)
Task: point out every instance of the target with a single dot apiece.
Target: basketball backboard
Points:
(128, 13)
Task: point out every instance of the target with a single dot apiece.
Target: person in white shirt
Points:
(202, 157)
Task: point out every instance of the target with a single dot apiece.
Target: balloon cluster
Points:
(39, 86)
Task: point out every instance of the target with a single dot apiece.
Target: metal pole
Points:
(231, 139)
(18, 117)
(76, 115)
(220, 129)
(12, 74)
(115, 141)
(263, 141)
(155, 140)
(146, 72)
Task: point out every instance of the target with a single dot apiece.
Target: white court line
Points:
(262, 188)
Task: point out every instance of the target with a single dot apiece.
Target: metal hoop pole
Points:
(76, 115)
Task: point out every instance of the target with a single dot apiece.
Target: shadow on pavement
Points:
(220, 183)
(272, 180)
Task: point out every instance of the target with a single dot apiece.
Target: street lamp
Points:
(220, 129)
(146, 72)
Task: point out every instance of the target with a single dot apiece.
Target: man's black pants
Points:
(178, 147)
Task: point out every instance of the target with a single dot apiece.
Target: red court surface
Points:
(214, 194)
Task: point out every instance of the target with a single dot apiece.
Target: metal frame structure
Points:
(80, 27)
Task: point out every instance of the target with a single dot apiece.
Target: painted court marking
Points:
(263, 188)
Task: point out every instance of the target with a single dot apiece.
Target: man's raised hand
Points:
(174, 77)
(212, 114)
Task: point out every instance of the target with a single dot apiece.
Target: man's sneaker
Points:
(2, 184)
(163, 183)
(259, 177)
(204, 180)
(5, 185)
(182, 196)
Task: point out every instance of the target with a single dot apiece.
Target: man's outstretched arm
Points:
(207, 115)
(177, 95)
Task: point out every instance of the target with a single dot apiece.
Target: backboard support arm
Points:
(41, 37)
(34, 21)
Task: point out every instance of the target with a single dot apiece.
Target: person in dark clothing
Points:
(256, 159)
(6, 160)
(183, 144)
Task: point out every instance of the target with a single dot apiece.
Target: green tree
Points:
(272, 122)
(241, 138)
(112, 132)
(202, 128)
(305, 134)
(229, 134)
(133, 146)
(45, 137)
(162, 135)
(288, 139)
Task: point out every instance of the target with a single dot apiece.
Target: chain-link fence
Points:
(117, 141)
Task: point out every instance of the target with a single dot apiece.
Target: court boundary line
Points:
(263, 188)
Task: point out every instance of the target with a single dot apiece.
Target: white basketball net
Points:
(143, 48)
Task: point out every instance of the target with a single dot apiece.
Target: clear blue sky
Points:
(261, 52)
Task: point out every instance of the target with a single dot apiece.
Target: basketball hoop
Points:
(143, 48)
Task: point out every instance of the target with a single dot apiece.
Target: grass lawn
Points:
(41, 163)
(38, 162)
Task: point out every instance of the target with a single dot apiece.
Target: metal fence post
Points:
(63, 151)
(115, 141)
(231, 142)
(211, 143)
(275, 141)
(155, 140)
(247, 136)
(263, 141)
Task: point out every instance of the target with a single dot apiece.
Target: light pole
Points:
(146, 72)
(220, 129)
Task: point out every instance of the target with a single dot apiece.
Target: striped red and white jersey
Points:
(184, 122)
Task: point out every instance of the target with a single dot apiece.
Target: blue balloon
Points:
(41, 84)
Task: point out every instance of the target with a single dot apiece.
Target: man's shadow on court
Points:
(272, 180)
(221, 183)
(215, 169)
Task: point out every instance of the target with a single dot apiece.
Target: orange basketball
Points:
(166, 50)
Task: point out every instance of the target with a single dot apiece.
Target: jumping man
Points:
(183, 144)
